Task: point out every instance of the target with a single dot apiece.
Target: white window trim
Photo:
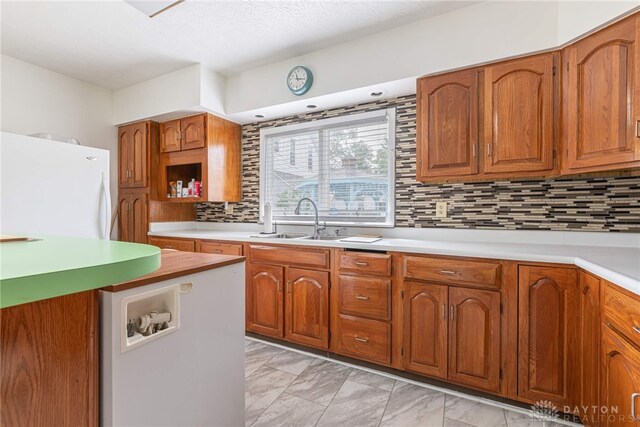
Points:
(317, 124)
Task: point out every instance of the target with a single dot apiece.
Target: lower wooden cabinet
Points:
(364, 339)
(586, 396)
(264, 299)
(307, 307)
(547, 306)
(186, 245)
(619, 380)
(220, 248)
(453, 333)
(133, 216)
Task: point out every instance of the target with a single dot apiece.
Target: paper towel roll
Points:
(268, 221)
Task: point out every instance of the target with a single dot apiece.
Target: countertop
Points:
(619, 265)
(177, 264)
(52, 266)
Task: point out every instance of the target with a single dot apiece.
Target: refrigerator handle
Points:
(107, 208)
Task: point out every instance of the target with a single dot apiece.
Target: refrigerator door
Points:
(53, 188)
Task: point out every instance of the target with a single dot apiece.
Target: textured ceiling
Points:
(113, 45)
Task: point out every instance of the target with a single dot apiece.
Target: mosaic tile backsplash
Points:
(586, 204)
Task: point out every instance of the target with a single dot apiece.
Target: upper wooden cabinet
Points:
(518, 115)
(447, 131)
(601, 90)
(134, 155)
(205, 148)
(183, 134)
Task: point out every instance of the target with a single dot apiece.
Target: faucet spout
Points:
(317, 226)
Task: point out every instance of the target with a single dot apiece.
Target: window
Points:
(349, 172)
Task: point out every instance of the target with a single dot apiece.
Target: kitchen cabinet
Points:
(221, 248)
(209, 151)
(307, 307)
(50, 362)
(134, 155)
(265, 299)
(601, 99)
(519, 116)
(133, 216)
(447, 125)
(589, 343)
(548, 297)
(288, 293)
(186, 245)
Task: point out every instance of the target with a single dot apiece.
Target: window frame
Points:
(322, 124)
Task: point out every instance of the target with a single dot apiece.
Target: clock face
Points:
(299, 80)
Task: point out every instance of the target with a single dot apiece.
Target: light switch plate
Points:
(441, 209)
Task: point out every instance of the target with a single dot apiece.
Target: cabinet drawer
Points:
(305, 257)
(220, 248)
(622, 311)
(365, 339)
(177, 244)
(363, 262)
(453, 271)
(365, 296)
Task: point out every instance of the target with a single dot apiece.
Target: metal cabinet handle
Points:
(216, 251)
(636, 329)
(278, 286)
(362, 339)
(449, 272)
(473, 150)
(488, 149)
(637, 128)
(289, 287)
(453, 312)
(168, 247)
(633, 405)
(362, 297)
(444, 311)
(362, 264)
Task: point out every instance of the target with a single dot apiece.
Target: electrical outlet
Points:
(228, 209)
(441, 209)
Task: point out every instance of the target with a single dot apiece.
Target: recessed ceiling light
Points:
(311, 106)
(258, 116)
(153, 8)
(377, 93)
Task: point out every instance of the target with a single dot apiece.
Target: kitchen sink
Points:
(284, 236)
(323, 237)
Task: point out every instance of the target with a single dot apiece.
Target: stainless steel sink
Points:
(323, 237)
(284, 236)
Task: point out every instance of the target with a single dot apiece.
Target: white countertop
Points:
(617, 264)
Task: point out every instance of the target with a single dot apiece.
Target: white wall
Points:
(35, 100)
(578, 17)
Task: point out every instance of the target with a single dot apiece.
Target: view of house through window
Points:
(345, 165)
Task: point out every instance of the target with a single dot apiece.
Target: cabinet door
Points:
(518, 115)
(589, 342)
(264, 309)
(125, 227)
(139, 155)
(620, 380)
(602, 99)
(474, 338)
(547, 305)
(139, 221)
(170, 136)
(192, 130)
(307, 307)
(125, 155)
(447, 132)
(425, 329)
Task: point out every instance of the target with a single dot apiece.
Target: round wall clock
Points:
(299, 80)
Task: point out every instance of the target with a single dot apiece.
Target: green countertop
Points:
(54, 266)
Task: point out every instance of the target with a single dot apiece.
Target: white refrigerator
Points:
(50, 187)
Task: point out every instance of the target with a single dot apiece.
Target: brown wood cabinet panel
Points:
(225, 160)
(547, 322)
(133, 220)
(363, 262)
(452, 271)
(519, 115)
(299, 256)
(425, 329)
(365, 339)
(365, 296)
(186, 245)
(193, 132)
(620, 380)
(133, 158)
(50, 362)
(307, 307)
(222, 248)
(170, 136)
(125, 165)
(264, 299)
(589, 343)
(125, 225)
(447, 131)
(622, 311)
(474, 338)
(601, 93)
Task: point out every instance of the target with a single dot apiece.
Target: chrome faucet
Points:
(317, 227)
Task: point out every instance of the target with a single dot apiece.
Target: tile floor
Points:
(289, 388)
